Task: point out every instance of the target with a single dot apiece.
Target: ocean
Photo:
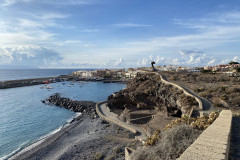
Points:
(24, 119)
(14, 74)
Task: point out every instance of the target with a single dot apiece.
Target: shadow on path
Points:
(234, 152)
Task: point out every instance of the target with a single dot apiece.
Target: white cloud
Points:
(29, 55)
(29, 23)
(11, 2)
(236, 59)
(90, 30)
(211, 62)
(129, 25)
(88, 45)
(189, 57)
(119, 62)
(6, 3)
(53, 16)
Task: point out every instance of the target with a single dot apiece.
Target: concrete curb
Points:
(214, 142)
(128, 152)
(100, 113)
(184, 91)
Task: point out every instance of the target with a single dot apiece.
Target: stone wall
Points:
(214, 142)
(101, 114)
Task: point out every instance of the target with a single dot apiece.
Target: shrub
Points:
(199, 89)
(223, 97)
(153, 139)
(98, 156)
(222, 89)
(232, 90)
(205, 94)
(200, 123)
(111, 157)
(236, 101)
(172, 144)
(216, 102)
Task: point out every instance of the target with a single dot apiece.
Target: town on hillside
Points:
(231, 69)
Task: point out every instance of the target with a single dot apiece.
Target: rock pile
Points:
(85, 107)
(147, 91)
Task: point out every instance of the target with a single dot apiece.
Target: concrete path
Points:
(105, 111)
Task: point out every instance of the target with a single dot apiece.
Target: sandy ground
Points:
(82, 139)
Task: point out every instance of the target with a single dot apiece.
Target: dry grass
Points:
(98, 156)
(199, 123)
(171, 145)
(223, 91)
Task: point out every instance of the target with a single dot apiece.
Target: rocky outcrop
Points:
(85, 107)
(147, 91)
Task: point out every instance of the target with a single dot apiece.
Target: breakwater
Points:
(37, 81)
(85, 107)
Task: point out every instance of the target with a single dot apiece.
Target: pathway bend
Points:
(104, 112)
(206, 104)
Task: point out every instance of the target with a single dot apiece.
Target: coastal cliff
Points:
(148, 92)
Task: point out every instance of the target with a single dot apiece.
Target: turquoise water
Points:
(24, 119)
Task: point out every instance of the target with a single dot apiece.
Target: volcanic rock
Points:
(147, 91)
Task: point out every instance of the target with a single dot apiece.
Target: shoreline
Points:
(24, 148)
(46, 139)
(84, 138)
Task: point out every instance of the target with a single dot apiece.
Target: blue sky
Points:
(118, 33)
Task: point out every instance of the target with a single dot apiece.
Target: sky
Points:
(118, 33)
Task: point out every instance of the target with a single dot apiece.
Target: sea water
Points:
(24, 119)
(14, 74)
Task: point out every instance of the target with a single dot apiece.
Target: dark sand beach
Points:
(84, 138)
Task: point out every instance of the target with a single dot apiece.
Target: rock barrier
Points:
(85, 107)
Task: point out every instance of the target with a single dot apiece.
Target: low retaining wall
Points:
(99, 112)
(184, 91)
(200, 105)
(214, 142)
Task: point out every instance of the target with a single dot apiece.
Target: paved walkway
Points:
(140, 135)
